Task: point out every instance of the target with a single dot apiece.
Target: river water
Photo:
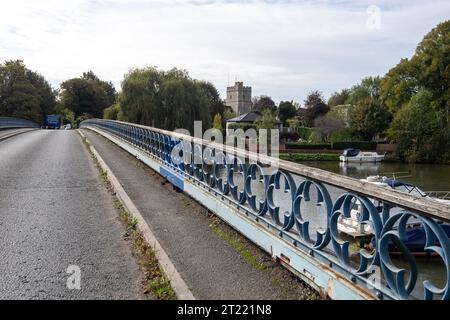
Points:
(428, 177)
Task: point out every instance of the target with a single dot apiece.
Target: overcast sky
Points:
(281, 48)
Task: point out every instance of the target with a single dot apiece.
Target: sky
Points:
(283, 49)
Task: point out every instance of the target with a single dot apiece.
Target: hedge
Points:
(363, 145)
(243, 126)
(312, 146)
(299, 157)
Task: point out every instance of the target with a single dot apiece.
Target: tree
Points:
(229, 113)
(370, 117)
(420, 130)
(84, 96)
(216, 105)
(432, 60)
(327, 125)
(286, 110)
(266, 122)
(315, 107)
(183, 102)
(263, 102)
(369, 87)
(24, 93)
(217, 123)
(339, 98)
(399, 85)
(167, 99)
(417, 91)
(108, 87)
(140, 98)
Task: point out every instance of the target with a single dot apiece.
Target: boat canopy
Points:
(351, 152)
(404, 187)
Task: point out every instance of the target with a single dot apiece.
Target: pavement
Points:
(211, 267)
(56, 213)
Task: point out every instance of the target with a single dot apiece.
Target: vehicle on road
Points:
(53, 121)
(68, 127)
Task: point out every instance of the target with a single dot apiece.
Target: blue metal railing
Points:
(12, 123)
(305, 206)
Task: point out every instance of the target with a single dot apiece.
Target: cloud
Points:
(281, 48)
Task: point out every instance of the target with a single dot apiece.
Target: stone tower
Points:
(239, 98)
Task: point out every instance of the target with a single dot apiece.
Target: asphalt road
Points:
(5, 133)
(55, 213)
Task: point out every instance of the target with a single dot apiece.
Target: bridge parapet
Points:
(300, 214)
(12, 123)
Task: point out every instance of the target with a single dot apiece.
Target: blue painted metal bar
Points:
(295, 213)
(12, 123)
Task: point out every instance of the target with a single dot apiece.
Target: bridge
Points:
(217, 218)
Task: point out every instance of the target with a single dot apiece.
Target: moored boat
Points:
(355, 155)
(415, 234)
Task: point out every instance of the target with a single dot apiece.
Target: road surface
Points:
(56, 213)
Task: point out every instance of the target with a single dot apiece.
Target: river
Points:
(428, 177)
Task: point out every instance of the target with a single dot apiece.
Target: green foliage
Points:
(262, 103)
(81, 118)
(368, 88)
(362, 145)
(216, 105)
(87, 95)
(417, 92)
(167, 100)
(305, 133)
(412, 101)
(421, 130)
(24, 93)
(113, 112)
(399, 85)
(339, 145)
(267, 120)
(345, 135)
(308, 146)
(243, 126)
(229, 114)
(286, 110)
(301, 157)
(67, 115)
(217, 123)
(371, 117)
(108, 87)
(327, 125)
(339, 98)
(315, 107)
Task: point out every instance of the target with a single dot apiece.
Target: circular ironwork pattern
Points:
(220, 170)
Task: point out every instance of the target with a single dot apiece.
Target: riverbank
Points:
(300, 157)
(428, 177)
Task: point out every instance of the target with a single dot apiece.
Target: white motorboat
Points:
(352, 226)
(355, 155)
